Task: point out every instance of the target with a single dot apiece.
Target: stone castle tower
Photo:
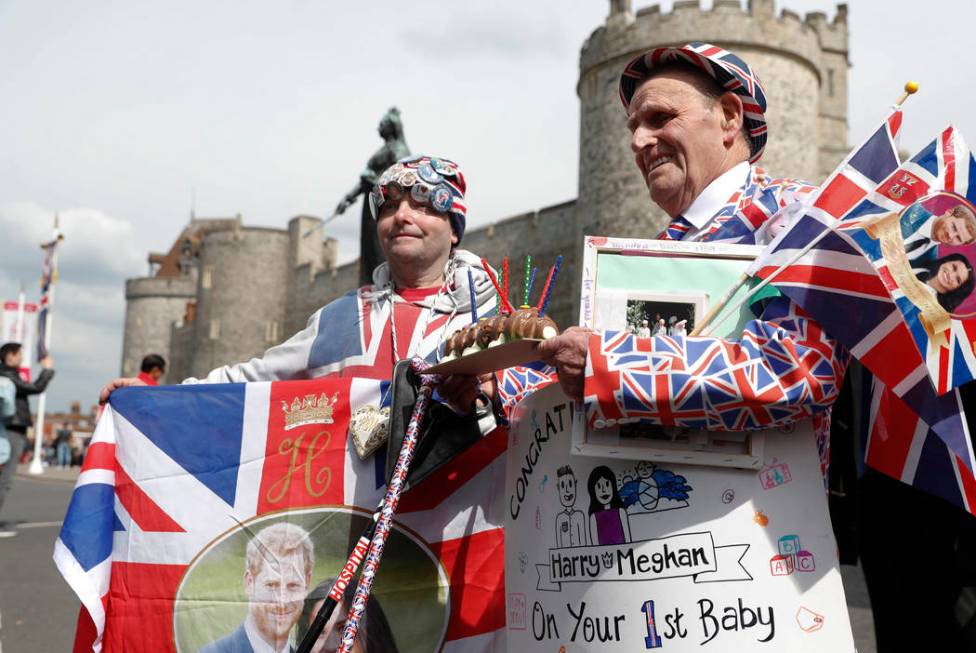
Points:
(226, 292)
(802, 63)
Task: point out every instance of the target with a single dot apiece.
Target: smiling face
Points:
(275, 596)
(955, 226)
(603, 490)
(683, 138)
(566, 486)
(949, 276)
(416, 241)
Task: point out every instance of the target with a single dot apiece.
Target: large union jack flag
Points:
(172, 471)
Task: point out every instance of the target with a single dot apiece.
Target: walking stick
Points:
(373, 540)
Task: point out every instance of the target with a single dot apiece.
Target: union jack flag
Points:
(173, 472)
(839, 286)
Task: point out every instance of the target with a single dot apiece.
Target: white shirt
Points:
(703, 209)
(257, 642)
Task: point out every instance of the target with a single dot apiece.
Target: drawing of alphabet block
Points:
(772, 476)
(805, 561)
(789, 545)
(516, 611)
(781, 565)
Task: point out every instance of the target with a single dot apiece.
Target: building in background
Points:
(225, 292)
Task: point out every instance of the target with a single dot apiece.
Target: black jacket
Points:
(22, 416)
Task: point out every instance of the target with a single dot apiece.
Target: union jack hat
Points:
(731, 73)
(429, 180)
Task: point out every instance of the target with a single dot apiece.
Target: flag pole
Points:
(911, 88)
(36, 466)
(21, 301)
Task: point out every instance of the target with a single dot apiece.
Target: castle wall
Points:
(181, 351)
(241, 296)
(151, 306)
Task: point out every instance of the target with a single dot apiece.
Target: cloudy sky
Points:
(117, 114)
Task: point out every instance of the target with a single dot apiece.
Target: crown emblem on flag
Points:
(309, 410)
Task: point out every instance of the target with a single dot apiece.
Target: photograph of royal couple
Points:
(940, 244)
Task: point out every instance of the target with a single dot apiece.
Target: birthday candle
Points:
(549, 283)
(531, 283)
(474, 306)
(491, 276)
(528, 268)
(504, 281)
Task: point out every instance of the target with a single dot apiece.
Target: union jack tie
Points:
(676, 230)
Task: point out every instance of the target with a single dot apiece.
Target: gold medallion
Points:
(370, 427)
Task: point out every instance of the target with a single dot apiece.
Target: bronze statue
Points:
(394, 148)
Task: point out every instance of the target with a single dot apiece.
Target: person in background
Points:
(62, 447)
(11, 358)
(152, 369)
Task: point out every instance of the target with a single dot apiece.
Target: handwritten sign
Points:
(619, 555)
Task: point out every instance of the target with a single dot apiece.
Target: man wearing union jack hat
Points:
(696, 114)
(420, 295)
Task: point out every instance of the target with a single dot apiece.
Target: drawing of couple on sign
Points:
(649, 489)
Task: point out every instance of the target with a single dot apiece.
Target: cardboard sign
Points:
(622, 555)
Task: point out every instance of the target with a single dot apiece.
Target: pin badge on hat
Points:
(440, 198)
(443, 167)
(427, 173)
(394, 192)
(420, 193)
(407, 178)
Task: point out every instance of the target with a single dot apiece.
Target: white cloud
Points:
(97, 248)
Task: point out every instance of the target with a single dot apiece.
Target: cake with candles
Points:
(510, 324)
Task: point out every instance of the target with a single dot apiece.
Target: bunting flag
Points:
(202, 508)
(856, 300)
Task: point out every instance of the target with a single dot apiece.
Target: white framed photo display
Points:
(657, 287)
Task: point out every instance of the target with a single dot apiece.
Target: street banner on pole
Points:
(18, 325)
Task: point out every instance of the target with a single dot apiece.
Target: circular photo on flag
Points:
(260, 586)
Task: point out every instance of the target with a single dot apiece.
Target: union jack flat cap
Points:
(731, 72)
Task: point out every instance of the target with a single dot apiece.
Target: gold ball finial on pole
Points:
(911, 88)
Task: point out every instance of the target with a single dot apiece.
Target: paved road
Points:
(38, 610)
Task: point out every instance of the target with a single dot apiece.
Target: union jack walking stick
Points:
(373, 540)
